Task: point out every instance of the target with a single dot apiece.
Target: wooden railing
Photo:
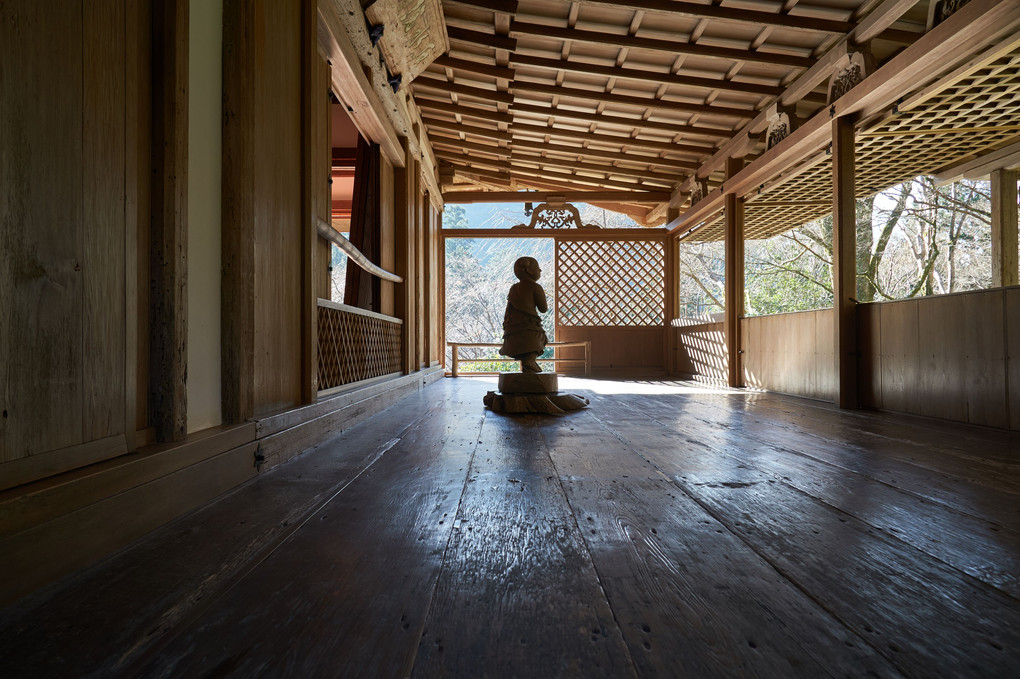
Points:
(355, 344)
(456, 346)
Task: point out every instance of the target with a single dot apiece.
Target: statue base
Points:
(532, 393)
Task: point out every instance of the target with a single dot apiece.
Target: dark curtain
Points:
(362, 288)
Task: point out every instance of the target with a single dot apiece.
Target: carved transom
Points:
(556, 216)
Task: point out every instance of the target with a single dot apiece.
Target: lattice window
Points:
(601, 282)
(354, 346)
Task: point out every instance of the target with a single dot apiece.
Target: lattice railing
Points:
(610, 283)
(355, 344)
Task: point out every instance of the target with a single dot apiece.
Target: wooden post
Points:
(406, 200)
(237, 325)
(671, 251)
(844, 262)
(168, 300)
(734, 263)
(313, 124)
(454, 351)
(1004, 228)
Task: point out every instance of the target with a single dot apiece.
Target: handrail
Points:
(455, 368)
(332, 235)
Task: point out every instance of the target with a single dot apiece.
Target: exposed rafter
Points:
(668, 46)
(714, 11)
(627, 100)
(574, 66)
(632, 123)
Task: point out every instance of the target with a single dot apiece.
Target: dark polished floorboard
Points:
(669, 530)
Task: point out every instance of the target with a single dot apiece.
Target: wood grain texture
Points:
(518, 574)
(103, 177)
(790, 353)
(869, 588)
(671, 529)
(42, 235)
(279, 229)
(237, 304)
(1011, 303)
(168, 246)
(388, 529)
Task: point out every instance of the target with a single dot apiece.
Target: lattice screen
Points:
(979, 110)
(601, 282)
(355, 347)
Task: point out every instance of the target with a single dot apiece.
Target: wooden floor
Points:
(669, 530)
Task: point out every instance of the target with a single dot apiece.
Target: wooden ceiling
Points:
(630, 96)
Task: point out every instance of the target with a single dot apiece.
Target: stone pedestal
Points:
(532, 393)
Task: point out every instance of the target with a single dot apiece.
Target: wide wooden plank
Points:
(517, 573)
(127, 607)
(980, 489)
(882, 589)
(385, 533)
(975, 545)
(691, 598)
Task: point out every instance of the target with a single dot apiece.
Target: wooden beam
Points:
(464, 111)
(978, 23)
(1005, 158)
(467, 197)
(668, 46)
(844, 262)
(645, 76)
(520, 144)
(733, 261)
(610, 170)
(168, 298)
(627, 100)
(353, 88)
(879, 19)
(490, 70)
(631, 123)
(645, 234)
(466, 129)
(478, 38)
(549, 171)
(731, 14)
(504, 6)
(616, 140)
(468, 146)
(473, 160)
(1004, 228)
(426, 81)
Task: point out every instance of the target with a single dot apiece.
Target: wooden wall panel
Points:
(1011, 304)
(631, 351)
(790, 353)
(869, 339)
(963, 372)
(700, 351)
(103, 171)
(41, 230)
(278, 207)
(899, 357)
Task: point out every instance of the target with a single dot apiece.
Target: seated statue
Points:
(523, 335)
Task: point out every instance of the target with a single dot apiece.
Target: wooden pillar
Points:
(1004, 228)
(671, 252)
(405, 188)
(844, 262)
(237, 324)
(313, 127)
(168, 299)
(733, 208)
